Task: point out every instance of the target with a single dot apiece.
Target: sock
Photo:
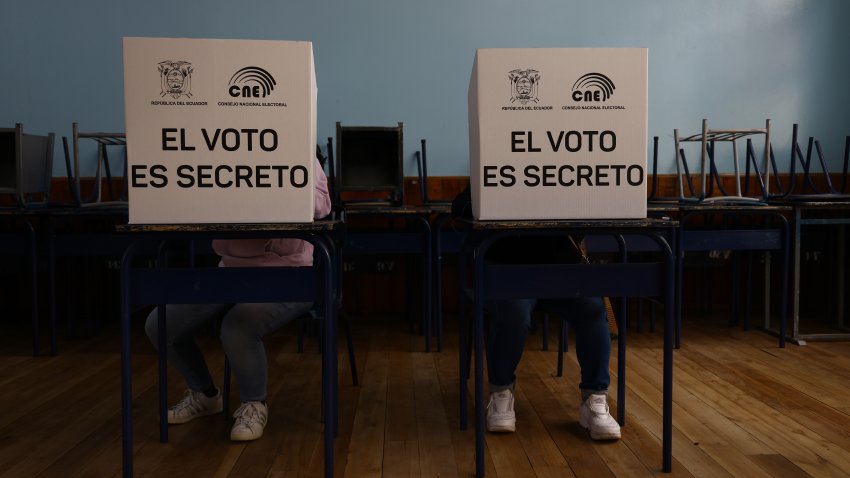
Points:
(211, 391)
(585, 394)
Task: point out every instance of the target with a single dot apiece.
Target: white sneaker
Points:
(593, 414)
(194, 405)
(500, 412)
(249, 421)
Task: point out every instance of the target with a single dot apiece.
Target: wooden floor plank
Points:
(785, 436)
(742, 407)
(366, 450)
(401, 438)
(436, 453)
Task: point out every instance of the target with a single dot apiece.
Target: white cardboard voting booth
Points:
(558, 133)
(219, 131)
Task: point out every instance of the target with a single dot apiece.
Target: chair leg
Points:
(563, 338)
(225, 388)
(621, 363)
(350, 344)
(733, 315)
(545, 331)
(651, 316)
(639, 321)
(749, 290)
(352, 361)
(301, 332)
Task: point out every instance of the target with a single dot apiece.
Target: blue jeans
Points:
(243, 327)
(510, 321)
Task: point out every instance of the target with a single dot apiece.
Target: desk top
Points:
(67, 211)
(716, 207)
(315, 226)
(820, 205)
(644, 223)
(365, 210)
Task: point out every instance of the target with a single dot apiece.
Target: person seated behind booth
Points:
(510, 321)
(243, 327)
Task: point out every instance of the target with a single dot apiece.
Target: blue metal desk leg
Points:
(463, 344)
(667, 405)
(126, 370)
(162, 348)
(786, 265)
(621, 344)
(426, 285)
(33, 253)
(478, 329)
(329, 363)
(437, 293)
(479, 386)
(621, 364)
(677, 249)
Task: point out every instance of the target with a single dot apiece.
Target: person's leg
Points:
(183, 322)
(509, 324)
(242, 330)
(589, 321)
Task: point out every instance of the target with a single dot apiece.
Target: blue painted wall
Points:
(735, 62)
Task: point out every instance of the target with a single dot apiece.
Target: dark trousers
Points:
(510, 321)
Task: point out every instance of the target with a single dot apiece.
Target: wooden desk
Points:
(445, 240)
(81, 232)
(390, 241)
(764, 238)
(623, 279)
(163, 285)
(18, 237)
(737, 237)
(822, 213)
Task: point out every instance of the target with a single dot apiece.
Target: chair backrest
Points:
(26, 166)
(422, 170)
(802, 170)
(103, 142)
(655, 195)
(369, 159)
(709, 172)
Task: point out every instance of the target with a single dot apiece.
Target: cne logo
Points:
(175, 78)
(251, 82)
(524, 85)
(593, 87)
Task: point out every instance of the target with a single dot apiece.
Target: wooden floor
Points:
(742, 407)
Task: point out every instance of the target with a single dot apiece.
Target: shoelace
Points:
(247, 413)
(594, 406)
(505, 402)
(188, 402)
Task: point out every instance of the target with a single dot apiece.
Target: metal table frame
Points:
(801, 208)
(552, 280)
(736, 239)
(396, 242)
(164, 285)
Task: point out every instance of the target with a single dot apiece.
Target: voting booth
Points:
(558, 133)
(219, 131)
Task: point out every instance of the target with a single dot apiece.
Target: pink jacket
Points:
(276, 252)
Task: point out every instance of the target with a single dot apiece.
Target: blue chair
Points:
(801, 185)
(72, 161)
(26, 166)
(714, 218)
